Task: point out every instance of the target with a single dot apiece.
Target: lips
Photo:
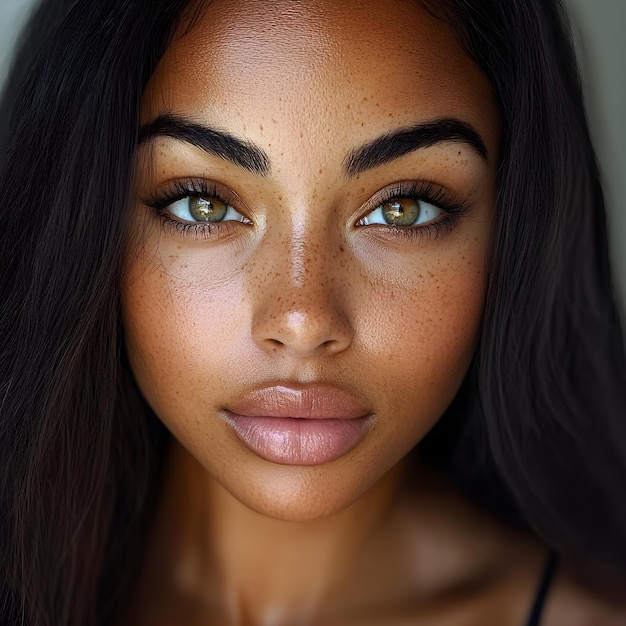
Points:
(299, 424)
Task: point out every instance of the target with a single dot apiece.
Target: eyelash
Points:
(452, 209)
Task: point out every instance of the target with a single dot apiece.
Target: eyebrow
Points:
(394, 145)
(378, 152)
(211, 141)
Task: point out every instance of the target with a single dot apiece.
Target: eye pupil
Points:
(207, 209)
(401, 212)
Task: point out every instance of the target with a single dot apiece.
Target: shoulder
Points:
(570, 603)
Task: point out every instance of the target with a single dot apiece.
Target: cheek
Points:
(440, 322)
(181, 329)
(420, 336)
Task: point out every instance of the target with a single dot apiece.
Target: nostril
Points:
(332, 345)
(275, 343)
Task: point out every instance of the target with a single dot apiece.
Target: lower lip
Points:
(299, 441)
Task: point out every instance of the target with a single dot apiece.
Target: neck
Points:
(216, 552)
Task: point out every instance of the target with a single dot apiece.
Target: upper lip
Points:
(310, 401)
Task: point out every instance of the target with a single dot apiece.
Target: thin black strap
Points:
(543, 588)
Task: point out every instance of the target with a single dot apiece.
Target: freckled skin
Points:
(302, 293)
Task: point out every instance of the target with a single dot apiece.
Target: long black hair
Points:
(540, 424)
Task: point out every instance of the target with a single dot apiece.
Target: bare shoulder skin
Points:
(313, 204)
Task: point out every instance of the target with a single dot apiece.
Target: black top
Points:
(534, 619)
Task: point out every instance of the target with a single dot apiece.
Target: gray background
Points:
(600, 26)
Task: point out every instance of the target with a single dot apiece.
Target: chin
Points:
(299, 494)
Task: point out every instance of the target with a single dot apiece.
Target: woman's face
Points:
(306, 272)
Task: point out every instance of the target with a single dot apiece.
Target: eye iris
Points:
(401, 212)
(207, 209)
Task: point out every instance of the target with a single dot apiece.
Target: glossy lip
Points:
(298, 424)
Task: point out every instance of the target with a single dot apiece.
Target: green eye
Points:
(401, 212)
(207, 209)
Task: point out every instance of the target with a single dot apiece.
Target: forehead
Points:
(349, 69)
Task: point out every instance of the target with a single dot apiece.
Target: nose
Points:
(301, 308)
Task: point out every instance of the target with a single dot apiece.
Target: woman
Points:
(307, 319)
